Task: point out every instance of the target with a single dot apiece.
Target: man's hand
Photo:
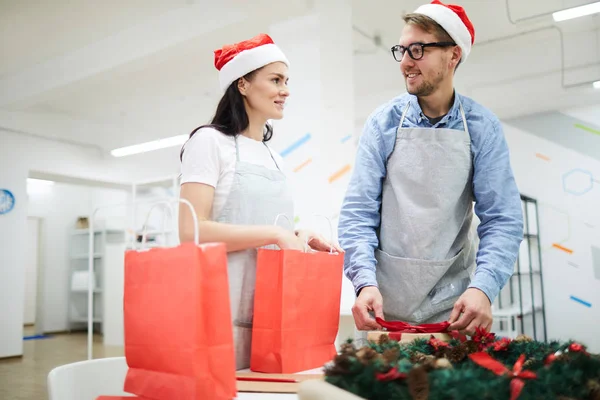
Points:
(369, 299)
(472, 310)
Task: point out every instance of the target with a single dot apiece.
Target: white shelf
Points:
(79, 255)
(514, 311)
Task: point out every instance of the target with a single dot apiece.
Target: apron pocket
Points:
(448, 291)
(405, 283)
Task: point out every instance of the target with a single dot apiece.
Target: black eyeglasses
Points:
(416, 50)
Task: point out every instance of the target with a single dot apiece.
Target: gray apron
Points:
(426, 251)
(258, 195)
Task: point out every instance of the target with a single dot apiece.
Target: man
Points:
(423, 159)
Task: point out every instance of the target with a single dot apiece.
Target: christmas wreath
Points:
(480, 367)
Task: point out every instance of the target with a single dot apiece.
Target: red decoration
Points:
(403, 327)
(550, 359)
(576, 347)
(502, 344)
(391, 375)
(517, 374)
(458, 336)
(483, 338)
(437, 343)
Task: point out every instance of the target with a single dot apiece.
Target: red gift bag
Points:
(296, 310)
(117, 397)
(177, 322)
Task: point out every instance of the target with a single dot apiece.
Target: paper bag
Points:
(178, 334)
(296, 310)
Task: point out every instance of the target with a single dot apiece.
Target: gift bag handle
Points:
(330, 229)
(306, 247)
(166, 203)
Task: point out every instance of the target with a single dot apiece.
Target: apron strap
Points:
(464, 118)
(272, 157)
(462, 113)
(237, 153)
(404, 114)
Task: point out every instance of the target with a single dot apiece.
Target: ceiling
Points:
(111, 74)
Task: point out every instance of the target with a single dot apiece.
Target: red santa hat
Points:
(236, 60)
(454, 20)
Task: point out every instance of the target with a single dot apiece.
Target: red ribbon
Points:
(517, 374)
(391, 375)
(403, 327)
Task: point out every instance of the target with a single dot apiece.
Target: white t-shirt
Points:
(209, 158)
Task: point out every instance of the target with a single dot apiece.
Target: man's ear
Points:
(456, 55)
(242, 85)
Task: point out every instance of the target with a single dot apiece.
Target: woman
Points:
(235, 181)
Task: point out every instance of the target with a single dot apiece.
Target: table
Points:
(274, 396)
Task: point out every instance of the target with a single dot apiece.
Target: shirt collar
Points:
(452, 113)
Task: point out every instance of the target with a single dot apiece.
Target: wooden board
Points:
(273, 387)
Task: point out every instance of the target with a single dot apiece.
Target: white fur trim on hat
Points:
(451, 23)
(249, 60)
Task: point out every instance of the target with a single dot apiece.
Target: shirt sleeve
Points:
(201, 159)
(498, 206)
(360, 216)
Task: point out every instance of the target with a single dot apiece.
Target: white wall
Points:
(570, 220)
(13, 233)
(18, 156)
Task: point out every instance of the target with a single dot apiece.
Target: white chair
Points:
(86, 380)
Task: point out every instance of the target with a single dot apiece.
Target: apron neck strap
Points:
(462, 113)
(237, 152)
(272, 157)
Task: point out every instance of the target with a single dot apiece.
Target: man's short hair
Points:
(428, 25)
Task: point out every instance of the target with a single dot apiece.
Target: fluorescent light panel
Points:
(150, 146)
(596, 85)
(577, 12)
(40, 182)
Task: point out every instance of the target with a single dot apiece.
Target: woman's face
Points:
(266, 91)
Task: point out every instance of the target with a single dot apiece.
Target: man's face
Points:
(423, 77)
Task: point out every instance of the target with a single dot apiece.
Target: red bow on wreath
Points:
(517, 374)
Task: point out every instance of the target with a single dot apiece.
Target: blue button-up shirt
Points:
(497, 200)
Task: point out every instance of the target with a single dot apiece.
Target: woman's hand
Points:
(317, 242)
(287, 240)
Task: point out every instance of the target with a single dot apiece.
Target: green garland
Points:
(432, 369)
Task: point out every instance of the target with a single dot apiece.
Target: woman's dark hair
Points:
(230, 117)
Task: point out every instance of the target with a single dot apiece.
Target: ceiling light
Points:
(33, 181)
(577, 12)
(596, 85)
(150, 146)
